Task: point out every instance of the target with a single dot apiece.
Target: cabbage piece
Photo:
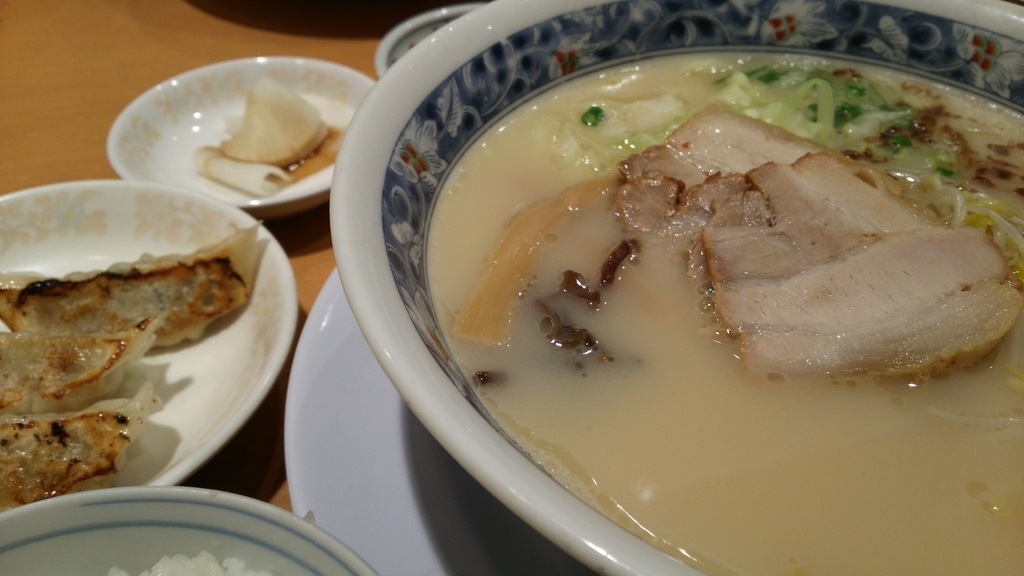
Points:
(624, 128)
(786, 113)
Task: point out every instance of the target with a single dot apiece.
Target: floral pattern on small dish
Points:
(176, 220)
(181, 97)
(515, 68)
(137, 144)
(33, 220)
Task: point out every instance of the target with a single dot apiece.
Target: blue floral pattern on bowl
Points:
(488, 86)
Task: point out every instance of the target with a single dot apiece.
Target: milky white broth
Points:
(733, 472)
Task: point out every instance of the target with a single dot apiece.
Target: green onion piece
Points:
(906, 123)
(593, 117)
(765, 75)
(846, 112)
(854, 89)
(898, 142)
(945, 164)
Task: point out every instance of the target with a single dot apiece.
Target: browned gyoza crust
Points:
(50, 455)
(42, 373)
(183, 295)
(47, 458)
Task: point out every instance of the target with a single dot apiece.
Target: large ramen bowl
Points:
(434, 103)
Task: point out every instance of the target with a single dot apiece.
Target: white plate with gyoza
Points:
(208, 383)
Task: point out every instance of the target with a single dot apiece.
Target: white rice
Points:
(205, 564)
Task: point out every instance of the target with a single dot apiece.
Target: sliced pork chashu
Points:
(850, 278)
(671, 190)
(815, 262)
(820, 207)
(900, 273)
(715, 140)
(956, 329)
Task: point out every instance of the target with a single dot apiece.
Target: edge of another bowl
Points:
(417, 27)
(169, 511)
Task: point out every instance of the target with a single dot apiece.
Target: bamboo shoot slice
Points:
(487, 315)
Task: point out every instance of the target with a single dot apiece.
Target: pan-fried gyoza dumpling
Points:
(46, 455)
(61, 373)
(185, 293)
(278, 127)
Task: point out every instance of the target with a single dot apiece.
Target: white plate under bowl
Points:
(210, 386)
(155, 137)
(132, 528)
(383, 483)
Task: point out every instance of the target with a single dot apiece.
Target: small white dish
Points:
(133, 528)
(210, 386)
(154, 138)
(409, 32)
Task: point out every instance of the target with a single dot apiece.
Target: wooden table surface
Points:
(68, 68)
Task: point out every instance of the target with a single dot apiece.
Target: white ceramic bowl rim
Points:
(129, 499)
(434, 102)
